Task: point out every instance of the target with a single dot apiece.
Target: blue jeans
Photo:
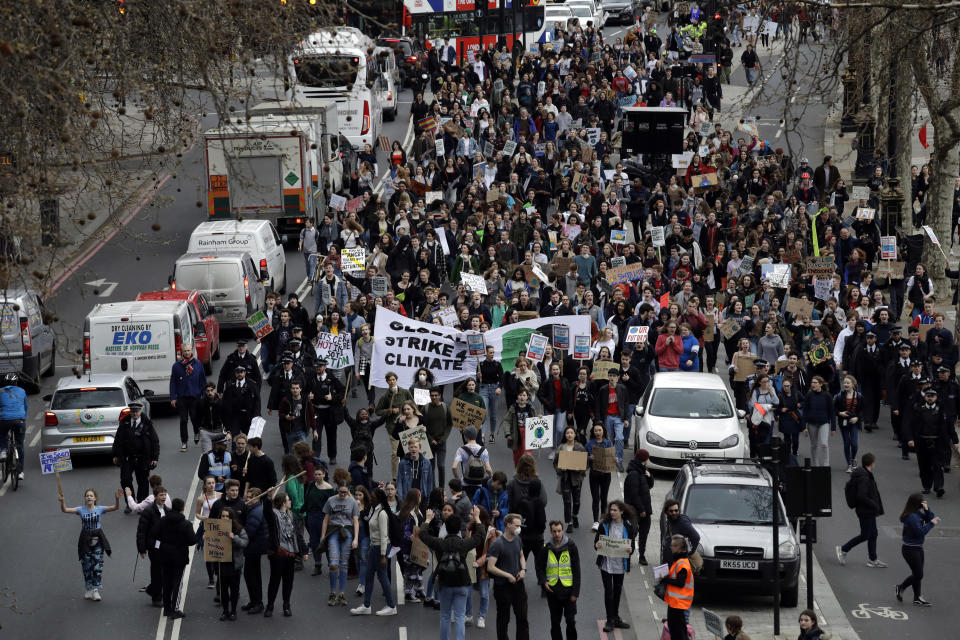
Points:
(868, 534)
(338, 557)
(614, 426)
(310, 262)
(266, 358)
(851, 436)
(489, 394)
(751, 75)
(628, 422)
(20, 428)
(363, 548)
(559, 425)
(374, 570)
(453, 604)
(295, 437)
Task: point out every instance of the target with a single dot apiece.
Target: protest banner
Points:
(637, 334)
(438, 147)
(353, 261)
(433, 196)
(421, 397)
(618, 236)
(779, 276)
(538, 272)
(256, 427)
(378, 286)
(447, 315)
(488, 149)
(463, 414)
(572, 460)
(799, 307)
(509, 148)
(539, 432)
(615, 547)
(601, 368)
(657, 238)
(416, 433)
(604, 459)
(822, 267)
(859, 193)
(55, 461)
(626, 273)
(865, 213)
(893, 270)
(259, 324)
(336, 349)
(536, 347)
(821, 288)
(338, 202)
(819, 354)
(888, 247)
(403, 345)
(729, 328)
(561, 338)
(475, 344)
(618, 261)
(217, 543)
(354, 204)
(744, 366)
(746, 265)
(581, 347)
(473, 282)
(711, 620)
(681, 160)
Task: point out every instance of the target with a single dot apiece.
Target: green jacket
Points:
(438, 422)
(390, 401)
(294, 489)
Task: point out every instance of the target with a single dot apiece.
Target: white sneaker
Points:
(96, 595)
(595, 527)
(468, 620)
(551, 456)
(88, 594)
(387, 611)
(360, 611)
(877, 564)
(20, 476)
(481, 623)
(849, 468)
(841, 556)
(360, 589)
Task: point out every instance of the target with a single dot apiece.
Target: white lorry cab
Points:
(259, 238)
(139, 339)
(338, 63)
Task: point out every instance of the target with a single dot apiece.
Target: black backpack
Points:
(850, 492)
(476, 472)
(451, 565)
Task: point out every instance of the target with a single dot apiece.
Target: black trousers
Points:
(571, 503)
(185, 408)
(134, 466)
(253, 577)
(155, 588)
(599, 486)
(172, 574)
(612, 590)
(230, 591)
(562, 607)
(677, 624)
(643, 530)
(326, 423)
(871, 403)
(914, 558)
(281, 570)
(930, 462)
(506, 596)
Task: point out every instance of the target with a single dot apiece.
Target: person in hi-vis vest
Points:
(558, 573)
(679, 594)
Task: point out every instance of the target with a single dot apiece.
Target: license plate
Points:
(746, 565)
(79, 439)
(691, 454)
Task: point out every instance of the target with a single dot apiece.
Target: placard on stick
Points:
(745, 367)
(475, 344)
(463, 414)
(55, 461)
(259, 324)
(581, 347)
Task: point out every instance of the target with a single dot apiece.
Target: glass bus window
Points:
(327, 71)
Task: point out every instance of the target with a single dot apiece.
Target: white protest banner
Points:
(510, 341)
(509, 148)
(821, 288)
(338, 202)
(433, 196)
(859, 193)
(336, 349)
(536, 347)
(439, 147)
(537, 271)
(416, 433)
(442, 237)
(378, 286)
(681, 160)
(256, 427)
(403, 345)
(539, 432)
(779, 277)
(657, 237)
(933, 236)
(421, 397)
(888, 247)
(353, 260)
(447, 315)
(473, 282)
(614, 547)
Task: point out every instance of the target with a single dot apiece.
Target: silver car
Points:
(27, 344)
(84, 413)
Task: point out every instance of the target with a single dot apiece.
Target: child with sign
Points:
(92, 543)
(515, 431)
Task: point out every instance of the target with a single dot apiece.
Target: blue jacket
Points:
(187, 379)
(916, 526)
(484, 498)
(13, 403)
(405, 476)
(628, 532)
(688, 354)
(358, 475)
(818, 409)
(257, 530)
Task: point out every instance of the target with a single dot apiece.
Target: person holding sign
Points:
(92, 543)
(230, 572)
(617, 524)
(389, 407)
(601, 460)
(556, 398)
(569, 477)
(612, 403)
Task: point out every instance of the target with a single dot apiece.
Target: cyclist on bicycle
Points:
(13, 415)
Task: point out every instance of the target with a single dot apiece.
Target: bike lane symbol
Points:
(866, 611)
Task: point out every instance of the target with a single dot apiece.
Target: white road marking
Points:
(182, 599)
(403, 633)
(398, 580)
(36, 439)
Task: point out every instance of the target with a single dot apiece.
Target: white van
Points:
(387, 83)
(228, 279)
(259, 238)
(139, 339)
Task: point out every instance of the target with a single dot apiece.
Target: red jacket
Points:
(668, 355)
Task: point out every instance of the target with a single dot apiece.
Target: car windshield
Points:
(690, 403)
(327, 71)
(582, 11)
(730, 504)
(95, 398)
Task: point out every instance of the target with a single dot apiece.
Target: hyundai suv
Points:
(729, 503)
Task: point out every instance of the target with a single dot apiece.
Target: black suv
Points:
(407, 51)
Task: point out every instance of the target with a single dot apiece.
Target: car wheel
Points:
(207, 368)
(789, 597)
(53, 363)
(32, 387)
(216, 354)
(389, 116)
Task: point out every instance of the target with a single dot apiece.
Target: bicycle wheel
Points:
(13, 456)
(5, 467)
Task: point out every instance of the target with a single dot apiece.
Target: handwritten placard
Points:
(259, 324)
(539, 432)
(626, 273)
(55, 461)
(614, 547)
(463, 414)
(657, 237)
(603, 459)
(637, 334)
(860, 193)
(217, 544)
(416, 433)
(473, 282)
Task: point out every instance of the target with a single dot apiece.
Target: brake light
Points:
(178, 342)
(263, 269)
(173, 285)
(389, 96)
(89, 388)
(366, 118)
(86, 355)
(50, 419)
(25, 335)
(246, 289)
(411, 59)
(124, 412)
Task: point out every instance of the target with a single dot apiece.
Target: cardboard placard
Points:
(893, 270)
(780, 365)
(744, 364)
(581, 347)
(615, 547)
(710, 333)
(572, 460)
(799, 307)
(792, 256)
(416, 433)
(729, 328)
(602, 367)
(859, 193)
(419, 552)
(924, 330)
(637, 334)
(822, 267)
(626, 273)
(55, 461)
(259, 324)
(561, 265)
(604, 459)
(463, 414)
(217, 544)
(538, 432)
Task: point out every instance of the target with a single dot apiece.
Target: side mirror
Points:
(148, 393)
(284, 239)
(741, 414)
(48, 397)
(638, 411)
(170, 280)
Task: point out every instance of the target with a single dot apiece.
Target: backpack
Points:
(394, 529)
(850, 492)
(450, 566)
(476, 472)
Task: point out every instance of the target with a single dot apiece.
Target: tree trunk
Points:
(944, 166)
(901, 88)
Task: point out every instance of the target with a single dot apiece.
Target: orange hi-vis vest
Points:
(680, 597)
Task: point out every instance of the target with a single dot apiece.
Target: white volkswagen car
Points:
(688, 415)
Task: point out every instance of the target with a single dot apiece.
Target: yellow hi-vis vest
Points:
(559, 569)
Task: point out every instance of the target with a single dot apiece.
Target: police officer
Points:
(209, 414)
(240, 356)
(136, 448)
(302, 359)
(948, 395)
(866, 365)
(241, 402)
(762, 368)
(328, 395)
(216, 463)
(906, 395)
(930, 437)
(558, 572)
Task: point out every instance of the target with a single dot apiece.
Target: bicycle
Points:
(11, 464)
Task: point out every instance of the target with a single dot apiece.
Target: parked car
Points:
(407, 51)
(730, 506)
(28, 346)
(622, 11)
(84, 413)
(206, 327)
(229, 279)
(687, 415)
